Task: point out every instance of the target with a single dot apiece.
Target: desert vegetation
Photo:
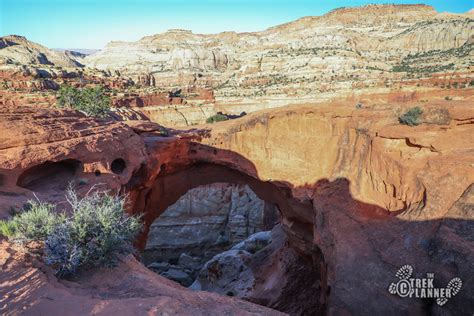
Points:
(91, 101)
(95, 233)
(411, 117)
(216, 118)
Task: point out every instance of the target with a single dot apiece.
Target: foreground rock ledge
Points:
(28, 287)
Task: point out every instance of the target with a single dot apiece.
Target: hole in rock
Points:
(97, 173)
(49, 175)
(118, 166)
(207, 221)
(216, 229)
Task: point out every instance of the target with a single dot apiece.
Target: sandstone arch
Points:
(369, 189)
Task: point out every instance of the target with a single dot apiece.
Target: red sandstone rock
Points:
(30, 288)
(352, 185)
(360, 194)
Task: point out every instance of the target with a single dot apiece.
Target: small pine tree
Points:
(91, 101)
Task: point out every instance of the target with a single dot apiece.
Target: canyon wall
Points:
(374, 46)
(363, 50)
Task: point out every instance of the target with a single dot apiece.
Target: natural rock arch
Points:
(168, 187)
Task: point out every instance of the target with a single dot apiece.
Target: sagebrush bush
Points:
(35, 224)
(95, 233)
(92, 101)
(411, 117)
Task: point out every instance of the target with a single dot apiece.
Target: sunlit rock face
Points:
(312, 58)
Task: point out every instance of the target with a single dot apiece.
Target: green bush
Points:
(91, 101)
(95, 233)
(217, 118)
(411, 117)
(36, 223)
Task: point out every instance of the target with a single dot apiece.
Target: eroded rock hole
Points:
(118, 166)
(223, 238)
(218, 224)
(49, 175)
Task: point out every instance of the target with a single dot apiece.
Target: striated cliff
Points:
(362, 47)
(346, 52)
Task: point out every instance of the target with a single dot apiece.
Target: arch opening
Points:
(290, 257)
(206, 221)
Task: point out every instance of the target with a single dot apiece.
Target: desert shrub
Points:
(35, 223)
(61, 252)
(217, 118)
(95, 233)
(92, 101)
(411, 117)
(7, 228)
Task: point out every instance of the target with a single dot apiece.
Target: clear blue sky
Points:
(91, 24)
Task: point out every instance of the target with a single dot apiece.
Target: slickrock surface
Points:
(28, 287)
(42, 150)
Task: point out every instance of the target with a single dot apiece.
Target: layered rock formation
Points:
(17, 49)
(371, 49)
(311, 58)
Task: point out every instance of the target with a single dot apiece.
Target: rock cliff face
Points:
(206, 217)
(364, 47)
(17, 49)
